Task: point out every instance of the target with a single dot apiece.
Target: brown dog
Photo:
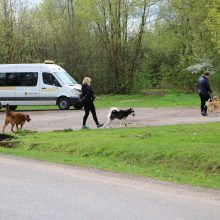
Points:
(213, 106)
(15, 118)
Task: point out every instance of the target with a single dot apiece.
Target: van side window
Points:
(8, 79)
(2, 79)
(11, 79)
(49, 79)
(18, 79)
(28, 79)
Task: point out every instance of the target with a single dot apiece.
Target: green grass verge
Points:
(170, 99)
(188, 154)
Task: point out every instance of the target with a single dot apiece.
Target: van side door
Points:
(50, 88)
(28, 92)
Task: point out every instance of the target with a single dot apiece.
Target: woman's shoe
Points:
(85, 127)
(204, 114)
(99, 125)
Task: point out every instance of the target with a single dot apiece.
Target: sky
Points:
(32, 1)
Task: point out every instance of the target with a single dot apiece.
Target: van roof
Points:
(53, 67)
(26, 65)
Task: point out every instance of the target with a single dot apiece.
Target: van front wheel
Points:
(63, 103)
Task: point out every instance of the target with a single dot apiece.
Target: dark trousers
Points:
(204, 98)
(89, 107)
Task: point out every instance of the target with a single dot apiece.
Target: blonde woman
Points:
(88, 97)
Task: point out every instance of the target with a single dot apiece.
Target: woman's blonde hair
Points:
(86, 80)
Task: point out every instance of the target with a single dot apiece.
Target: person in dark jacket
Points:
(87, 98)
(204, 91)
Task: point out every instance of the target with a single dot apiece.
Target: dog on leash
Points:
(122, 115)
(15, 118)
(213, 106)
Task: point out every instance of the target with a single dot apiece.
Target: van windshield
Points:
(65, 78)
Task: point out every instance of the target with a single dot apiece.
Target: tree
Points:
(213, 22)
(121, 46)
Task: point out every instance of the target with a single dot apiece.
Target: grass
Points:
(170, 99)
(188, 154)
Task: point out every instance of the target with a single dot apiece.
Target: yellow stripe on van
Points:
(7, 88)
(49, 90)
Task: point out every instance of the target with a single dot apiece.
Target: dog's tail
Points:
(109, 116)
(113, 109)
(209, 100)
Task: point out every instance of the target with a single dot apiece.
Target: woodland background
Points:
(124, 45)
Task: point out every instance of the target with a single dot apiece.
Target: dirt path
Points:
(59, 120)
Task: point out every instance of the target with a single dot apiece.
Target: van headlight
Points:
(76, 91)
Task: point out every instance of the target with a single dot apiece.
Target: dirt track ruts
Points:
(59, 120)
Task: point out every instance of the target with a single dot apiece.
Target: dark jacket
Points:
(203, 86)
(87, 94)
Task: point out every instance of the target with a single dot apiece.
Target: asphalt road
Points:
(59, 120)
(39, 190)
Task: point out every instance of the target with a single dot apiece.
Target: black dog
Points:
(114, 113)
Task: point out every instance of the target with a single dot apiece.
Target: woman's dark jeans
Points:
(89, 106)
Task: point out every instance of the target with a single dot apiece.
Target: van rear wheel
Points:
(63, 103)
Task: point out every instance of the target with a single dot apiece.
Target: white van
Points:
(38, 84)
